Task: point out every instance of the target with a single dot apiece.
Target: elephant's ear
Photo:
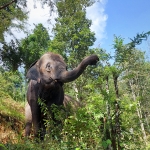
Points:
(33, 72)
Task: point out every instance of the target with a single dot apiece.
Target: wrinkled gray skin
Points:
(47, 76)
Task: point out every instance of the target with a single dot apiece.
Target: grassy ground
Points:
(11, 120)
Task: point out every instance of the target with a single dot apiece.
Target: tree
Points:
(11, 55)
(134, 72)
(124, 86)
(12, 15)
(72, 34)
(26, 51)
(34, 45)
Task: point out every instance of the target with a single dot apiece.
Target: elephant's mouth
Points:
(59, 82)
(55, 81)
(52, 82)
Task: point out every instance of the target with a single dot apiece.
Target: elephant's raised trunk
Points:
(69, 76)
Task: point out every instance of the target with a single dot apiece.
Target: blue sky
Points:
(126, 18)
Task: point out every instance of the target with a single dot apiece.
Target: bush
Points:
(12, 85)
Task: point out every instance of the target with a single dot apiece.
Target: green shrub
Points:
(12, 85)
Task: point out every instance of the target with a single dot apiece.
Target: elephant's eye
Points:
(48, 67)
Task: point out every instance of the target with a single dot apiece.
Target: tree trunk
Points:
(111, 127)
(138, 109)
(76, 91)
(117, 112)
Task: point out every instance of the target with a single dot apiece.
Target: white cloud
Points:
(39, 15)
(97, 15)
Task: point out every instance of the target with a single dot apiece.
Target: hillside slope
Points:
(11, 120)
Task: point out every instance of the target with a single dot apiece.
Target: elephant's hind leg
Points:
(28, 120)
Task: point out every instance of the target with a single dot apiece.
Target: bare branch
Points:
(6, 5)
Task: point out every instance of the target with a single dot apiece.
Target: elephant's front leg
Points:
(42, 127)
(32, 97)
(36, 116)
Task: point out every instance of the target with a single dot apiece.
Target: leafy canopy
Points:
(11, 55)
(12, 16)
(72, 34)
(34, 45)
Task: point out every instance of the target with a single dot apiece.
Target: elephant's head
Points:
(52, 68)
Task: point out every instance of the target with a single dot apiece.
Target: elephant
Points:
(67, 103)
(46, 78)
